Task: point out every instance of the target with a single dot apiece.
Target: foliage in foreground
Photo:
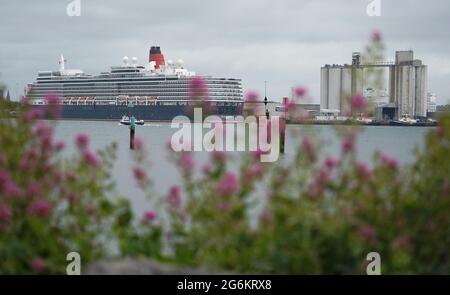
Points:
(314, 216)
(52, 204)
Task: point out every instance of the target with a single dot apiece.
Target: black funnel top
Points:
(155, 50)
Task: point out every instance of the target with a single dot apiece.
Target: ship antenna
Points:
(265, 99)
(62, 63)
(265, 90)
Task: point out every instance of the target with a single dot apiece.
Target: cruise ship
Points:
(158, 91)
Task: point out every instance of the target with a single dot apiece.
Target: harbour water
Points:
(399, 142)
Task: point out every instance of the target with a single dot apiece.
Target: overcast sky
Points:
(283, 42)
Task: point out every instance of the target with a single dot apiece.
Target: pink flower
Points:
(186, 162)
(138, 143)
(32, 114)
(53, 107)
(254, 171)
(330, 163)
(139, 174)
(300, 91)
(42, 129)
(257, 154)
(219, 156)
(38, 265)
(174, 196)
(376, 36)
(11, 189)
(82, 140)
(309, 148)
(59, 146)
(228, 184)
(388, 161)
(7, 185)
(198, 88)
(402, 242)
(289, 105)
(368, 232)
(251, 96)
(91, 209)
(358, 102)
(348, 144)
(5, 213)
(40, 208)
(149, 216)
(206, 168)
(91, 158)
(364, 171)
(71, 176)
(33, 189)
(265, 217)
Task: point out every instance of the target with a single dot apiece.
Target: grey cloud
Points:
(284, 42)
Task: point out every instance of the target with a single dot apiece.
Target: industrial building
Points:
(407, 84)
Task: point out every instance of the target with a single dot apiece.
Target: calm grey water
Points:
(395, 141)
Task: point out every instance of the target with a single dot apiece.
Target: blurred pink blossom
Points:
(348, 144)
(5, 213)
(330, 163)
(59, 146)
(33, 189)
(186, 162)
(219, 156)
(257, 154)
(228, 184)
(198, 88)
(139, 174)
(40, 208)
(368, 233)
(7, 185)
(388, 161)
(289, 105)
(376, 36)
(309, 148)
(358, 102)
(91, 158)
(364, 170)
(53, 107)
(138, 143)
(254, 171)
(300, 91)
(82, 140)
(38, 265)
(174, 196)
(402, 242)
(251, 96)
(206, 168)
(149, 216)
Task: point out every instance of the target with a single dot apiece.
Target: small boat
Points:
(405, 120)
(126, 121)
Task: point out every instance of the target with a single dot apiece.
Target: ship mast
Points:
(62, 63)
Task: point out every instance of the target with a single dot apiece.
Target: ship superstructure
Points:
(158, 84)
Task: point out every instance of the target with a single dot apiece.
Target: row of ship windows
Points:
(115, 85)
(129, 81)
(126, 91)
(132, 93)
(128, 87)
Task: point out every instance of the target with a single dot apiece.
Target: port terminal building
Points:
(407, 85)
